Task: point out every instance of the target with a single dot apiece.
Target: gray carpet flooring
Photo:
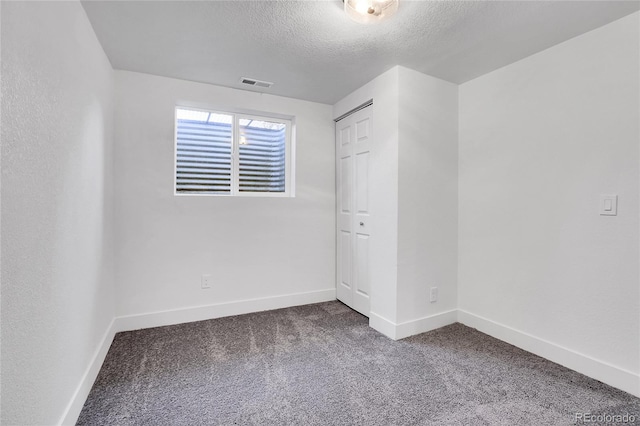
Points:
(321, 364)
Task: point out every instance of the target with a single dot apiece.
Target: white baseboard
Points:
(73, 409)
(205, 312)
(596, 369)
(424, 324)
(382, 325)
(413, 327)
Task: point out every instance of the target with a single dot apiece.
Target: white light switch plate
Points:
(608, 205)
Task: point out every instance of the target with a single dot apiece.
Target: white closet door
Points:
(353, 156)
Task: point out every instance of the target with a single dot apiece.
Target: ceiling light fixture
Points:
(370, 11)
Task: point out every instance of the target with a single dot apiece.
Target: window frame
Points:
(237, 115)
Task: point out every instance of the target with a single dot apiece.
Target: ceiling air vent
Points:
(256, 83)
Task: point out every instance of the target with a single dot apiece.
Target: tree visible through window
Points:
(233, 154)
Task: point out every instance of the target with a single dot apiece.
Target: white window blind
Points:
(232, 154)
(262, 150)
(203, 152)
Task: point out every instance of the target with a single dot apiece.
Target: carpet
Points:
(322, 364)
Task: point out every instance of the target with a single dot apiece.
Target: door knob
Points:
(361, 223)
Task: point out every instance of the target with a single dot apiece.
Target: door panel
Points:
(345, 137)
(362, 263)
(345, 175)
(345, 243)
(362, 129)
(353, 156)
(362, 183)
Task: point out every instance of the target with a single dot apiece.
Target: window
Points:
(232, 154)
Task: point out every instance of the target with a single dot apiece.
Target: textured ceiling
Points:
(311, 50)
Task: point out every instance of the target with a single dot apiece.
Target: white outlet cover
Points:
(608, 205)
(206, 281)
(434, 294)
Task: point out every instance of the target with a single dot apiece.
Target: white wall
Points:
(253, 247)
(57, 286)
(384, 91)
(427, 196)
(540, 140)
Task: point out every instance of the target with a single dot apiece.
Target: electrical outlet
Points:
(206, 281)
(433, 295)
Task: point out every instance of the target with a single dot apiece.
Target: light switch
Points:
(608, 205)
